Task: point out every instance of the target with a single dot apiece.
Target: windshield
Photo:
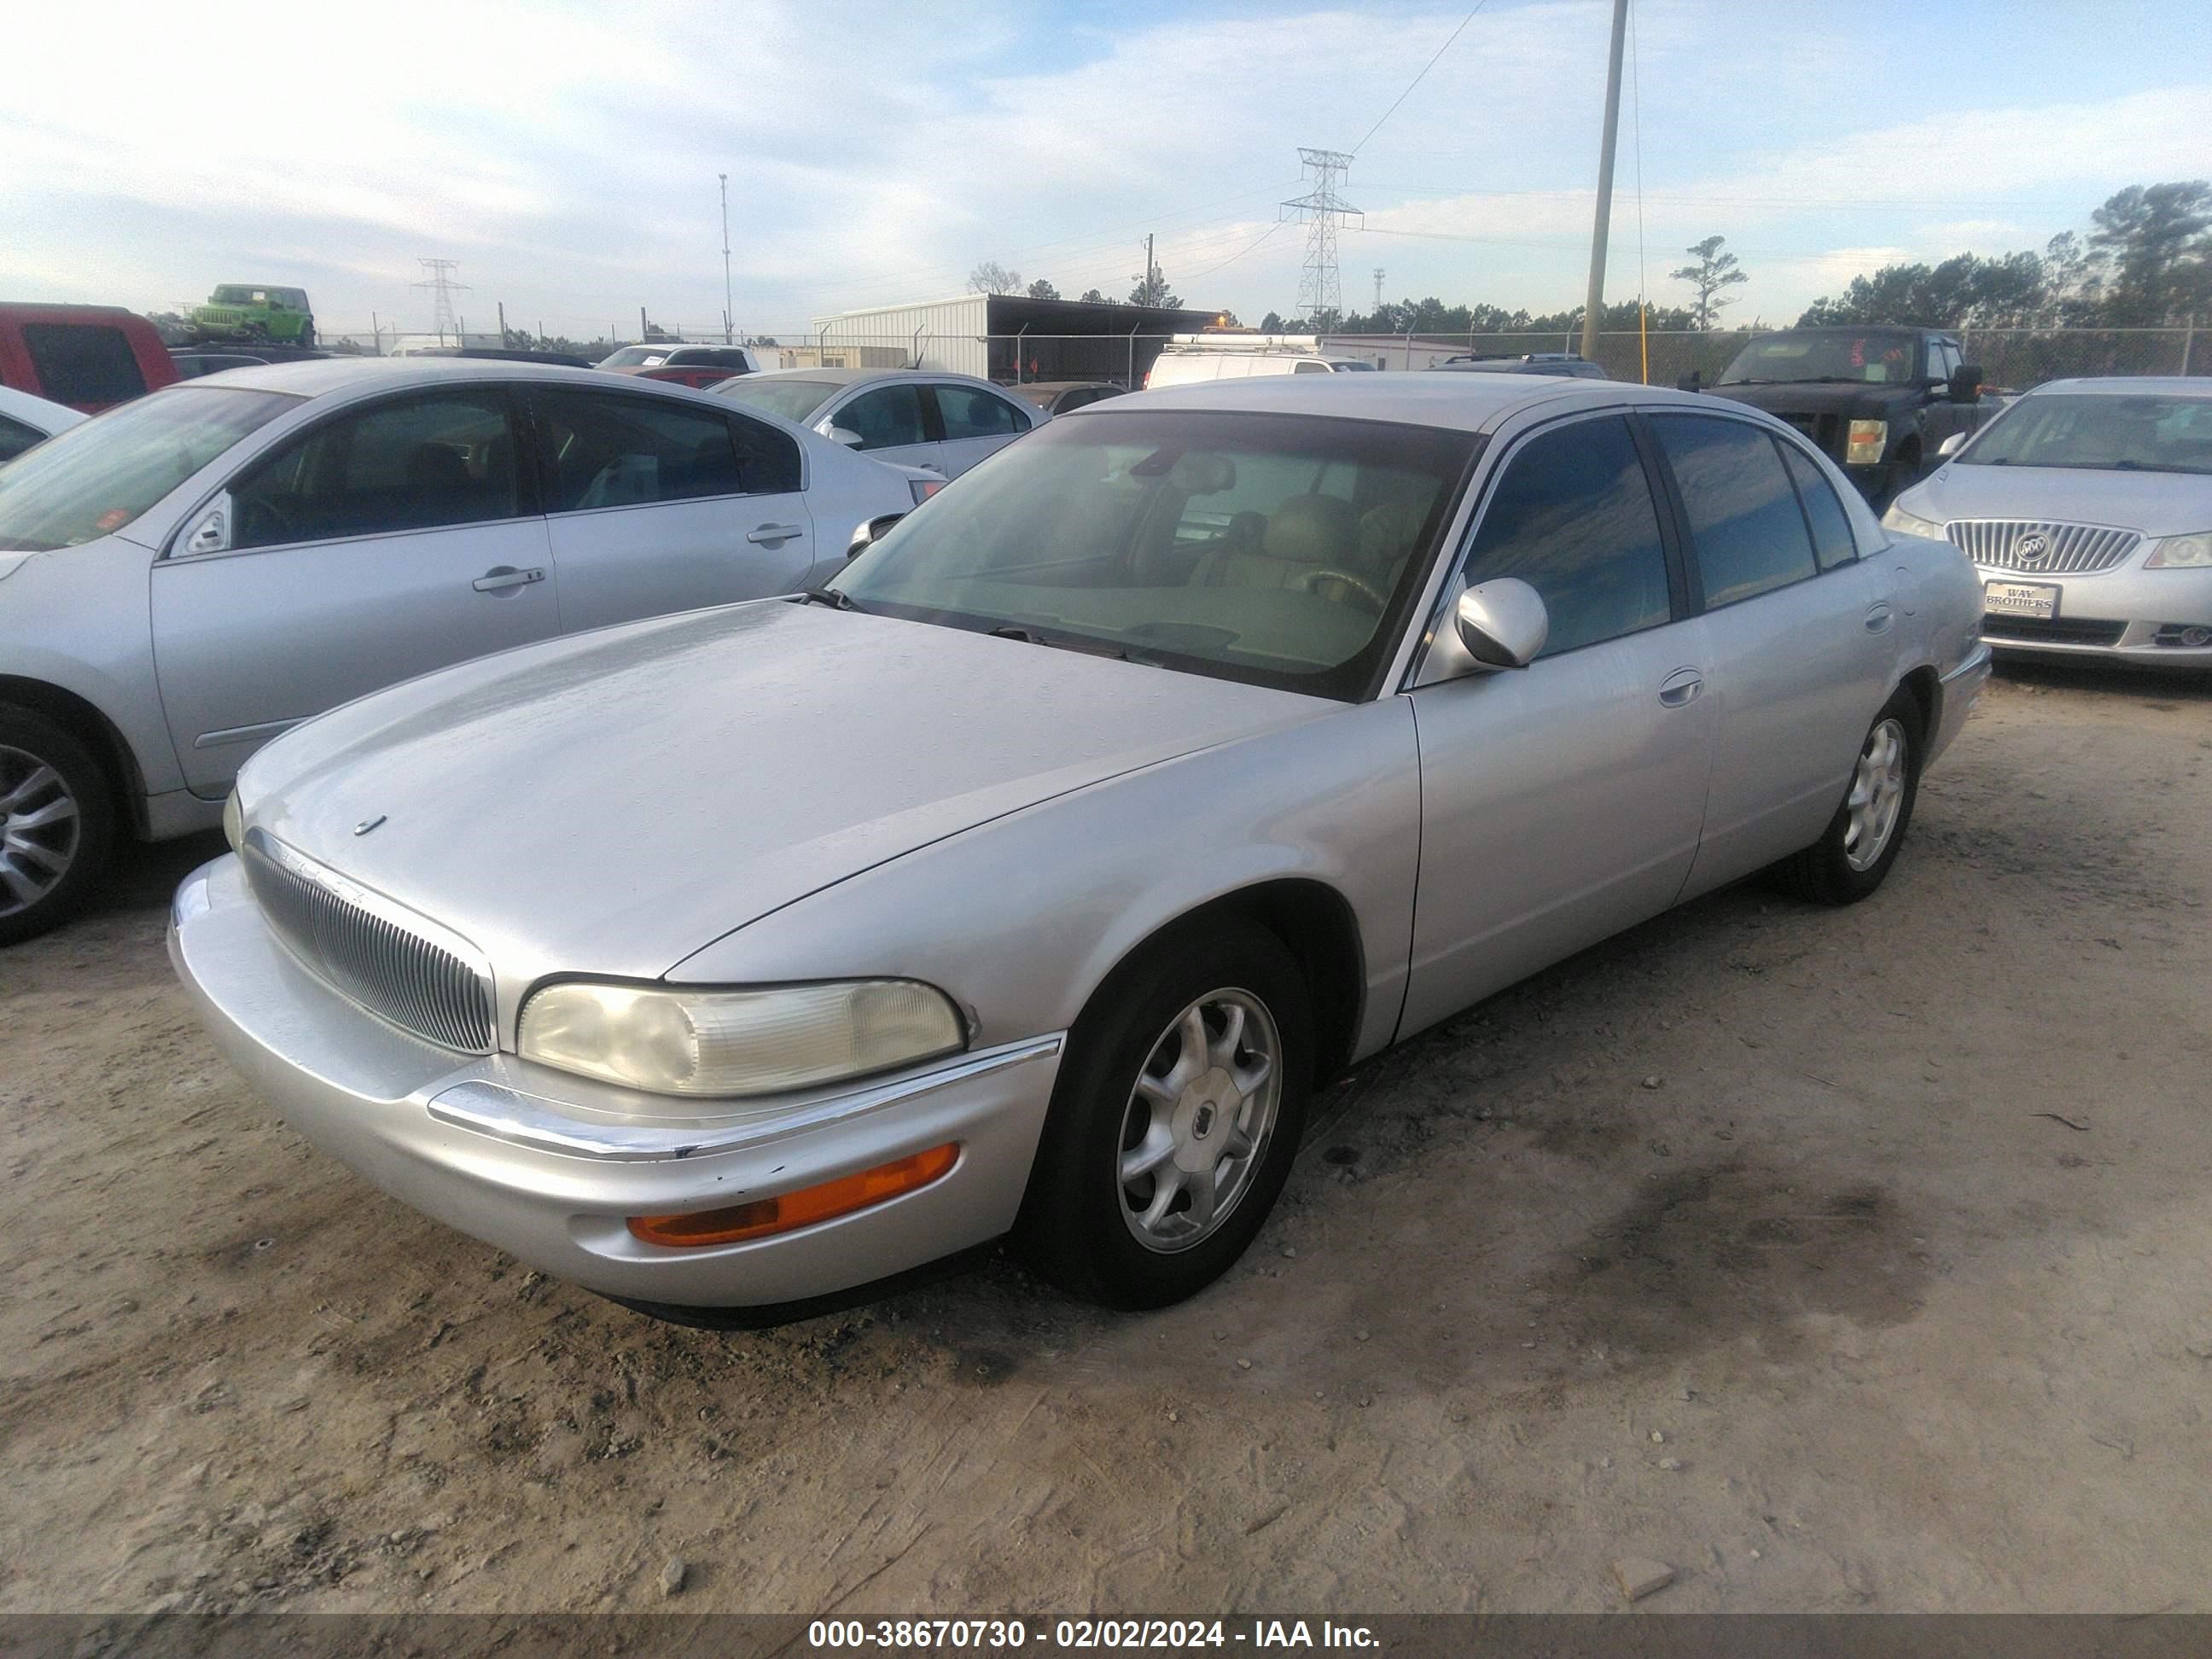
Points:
(636, 357)
(793, 400)
(1875, 359)
(95, 478)
(1281, 550)
(2104, 433)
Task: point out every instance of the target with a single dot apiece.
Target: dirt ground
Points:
(1838, 1260)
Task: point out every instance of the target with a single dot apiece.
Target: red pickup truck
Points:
(87, 357)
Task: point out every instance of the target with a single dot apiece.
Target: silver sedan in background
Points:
(940, 421)
(192, 573)
(2087, 506)
(1029, 880)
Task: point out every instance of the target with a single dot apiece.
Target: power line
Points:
(1418, 79)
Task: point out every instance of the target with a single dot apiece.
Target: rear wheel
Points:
(1861, 841)
(307, 340)
(57, 823)
(1176, 1119)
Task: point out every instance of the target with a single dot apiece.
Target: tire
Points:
(1832, 869)
(57, 823)
(1084, 1219)
(306, 341)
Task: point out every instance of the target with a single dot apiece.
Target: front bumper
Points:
(2127, 614)
(543, 1165)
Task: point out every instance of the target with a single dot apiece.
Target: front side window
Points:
(969, 413)
(83, 362)
(409, 464)
(598, 450)
(95, 478)
(885, 418)
(1280, 550)
(2093, 432)
(1573, 518)
(1832, 542)
(16, 438)
(1747, 533)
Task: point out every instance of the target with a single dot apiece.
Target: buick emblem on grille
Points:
(367, 824)
(2030, 549)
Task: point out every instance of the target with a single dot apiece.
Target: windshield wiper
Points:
(836, 599)
(1081, 648)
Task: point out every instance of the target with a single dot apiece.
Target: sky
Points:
(566, 156)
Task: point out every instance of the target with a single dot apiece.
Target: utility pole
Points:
(1593, 305)
(643, 328)
(503, 325)
(1378, 288)
(727, 310)
(376, 332)
(1149, 295)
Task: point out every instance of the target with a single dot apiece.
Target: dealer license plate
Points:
(2039, 599)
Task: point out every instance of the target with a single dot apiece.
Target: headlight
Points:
(2181, 552)
(1865, 441)
(1910, 524)
(737, 1042)
(923, 489)
(234, 821)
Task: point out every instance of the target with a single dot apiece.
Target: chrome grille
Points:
(386, 965)
(2040, 547)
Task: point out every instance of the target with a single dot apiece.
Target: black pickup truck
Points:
(1879, 401)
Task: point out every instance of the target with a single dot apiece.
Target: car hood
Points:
(1815, 397)
(612, 802)
(2155, 503)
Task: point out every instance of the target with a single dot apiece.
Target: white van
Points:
(1192, 357)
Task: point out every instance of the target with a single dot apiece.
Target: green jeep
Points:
(239, 311)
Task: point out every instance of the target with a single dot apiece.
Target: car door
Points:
(1562, 802)
(895, 423)
(976, 423)
(658, 504)
(1796, 653)
(382, 542)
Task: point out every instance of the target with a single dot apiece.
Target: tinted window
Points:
(969, 413)
(410, 464)
(1748, 534)
(16, 438)
(97, 475)
(1573, 518)
(612, 451)
(1832, 528)
(83, 362)
(889, 415)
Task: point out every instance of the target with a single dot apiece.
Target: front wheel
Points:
(1176, 1119)
(1861, 841)
(56, 824)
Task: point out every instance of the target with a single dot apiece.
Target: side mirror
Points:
(1502, 623)
(865, 532)
(1693, 381)
(1950, 446)
(845, 436)
(212, 534)
(1966, 384)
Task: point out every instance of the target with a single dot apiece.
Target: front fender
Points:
(1022, 918)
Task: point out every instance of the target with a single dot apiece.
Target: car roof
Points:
(1467, 403)
(855, 376)
(41, 412)
(2138, 386)
(324, 376)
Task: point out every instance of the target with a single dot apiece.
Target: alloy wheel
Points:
(1877, 794)
(1199, 1120)
(40, 829)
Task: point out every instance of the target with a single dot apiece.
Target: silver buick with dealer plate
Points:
(2087, 508)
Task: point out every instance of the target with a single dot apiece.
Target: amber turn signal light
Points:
(766, 1216)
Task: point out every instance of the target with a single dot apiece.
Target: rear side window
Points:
(1831, 527)
(969, 413)
(413, 463)
(83, 362)
(1748, 535)
(885, 418)
(1573, 518)
(16, 438)
(601, 451)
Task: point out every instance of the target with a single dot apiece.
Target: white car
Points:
(2087, 507)
(26, 420)
(1193, 359)
(939, 421)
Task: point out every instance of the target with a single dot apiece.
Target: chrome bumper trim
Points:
(503, 1114)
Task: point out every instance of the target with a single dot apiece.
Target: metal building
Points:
(1007, 338)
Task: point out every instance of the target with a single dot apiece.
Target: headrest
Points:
(1313, 529)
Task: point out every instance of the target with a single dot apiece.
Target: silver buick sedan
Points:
(1026, 879)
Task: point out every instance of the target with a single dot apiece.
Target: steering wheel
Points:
(268, 522)
(1305, 580)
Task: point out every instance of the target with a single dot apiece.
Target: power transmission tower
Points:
(1320, 295)
(442, 287)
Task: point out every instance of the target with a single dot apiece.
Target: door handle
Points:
(770, 534)
(1681, 687)
(1879, 617)
(504, 577)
